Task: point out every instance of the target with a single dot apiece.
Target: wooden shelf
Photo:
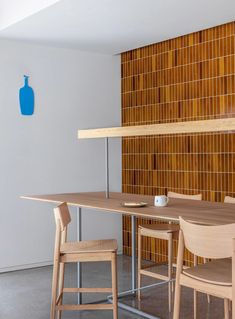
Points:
(217, 125)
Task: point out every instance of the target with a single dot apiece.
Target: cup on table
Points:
(161, 200)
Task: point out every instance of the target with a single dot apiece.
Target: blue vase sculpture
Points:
(26, 98)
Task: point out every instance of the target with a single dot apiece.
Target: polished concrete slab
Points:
(26, 294)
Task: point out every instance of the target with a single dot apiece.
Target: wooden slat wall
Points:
(187, 78)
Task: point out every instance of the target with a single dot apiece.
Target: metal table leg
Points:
(133, 258)
(107, 166)
(133, 279)
(79, 238)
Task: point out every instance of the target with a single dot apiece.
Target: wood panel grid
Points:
(183, 79)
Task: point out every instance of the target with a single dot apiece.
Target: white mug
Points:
(161, 200)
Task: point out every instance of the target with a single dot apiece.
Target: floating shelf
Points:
(216, 125)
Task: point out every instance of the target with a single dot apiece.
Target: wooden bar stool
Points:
(161, 231)
(229, 200)
(216, 277)
(73, 252)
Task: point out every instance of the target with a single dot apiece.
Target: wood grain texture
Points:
(81, 251)
(189, 78)
(217, 125)
(214, 277)
(205, 212)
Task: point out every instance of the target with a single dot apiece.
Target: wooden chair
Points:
(183, 196)
(161, 231)
(84, 251)
(229, 199)
(217, 277)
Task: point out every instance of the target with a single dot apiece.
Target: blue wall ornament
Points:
(26, 96)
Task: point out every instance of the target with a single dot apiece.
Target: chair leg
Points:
(233, 309)
(176, 313)
(195, 292)
(226, 309)
(114, 285)
(139, 265)
(61, 286)
(205, 260)
(194, 304)
(54, 288)
(170, 261)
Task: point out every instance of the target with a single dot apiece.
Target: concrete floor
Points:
(26, 294)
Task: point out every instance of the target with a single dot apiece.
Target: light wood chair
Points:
(216, 277)
(167, 232)
(229, 200)
(183, 196)
(84, 251)
(195, 197)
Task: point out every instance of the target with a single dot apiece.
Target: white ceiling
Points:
(12, 11)
(114, 26)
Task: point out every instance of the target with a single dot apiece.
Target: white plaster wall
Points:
(41, 154)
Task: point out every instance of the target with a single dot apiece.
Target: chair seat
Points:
(89, 246)
(159, 230)
(217, 272)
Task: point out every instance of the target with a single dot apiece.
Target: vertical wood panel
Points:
(187, 78)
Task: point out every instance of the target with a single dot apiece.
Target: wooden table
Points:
(204, 212)
(197, 211)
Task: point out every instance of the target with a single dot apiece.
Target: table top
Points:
(205, 212)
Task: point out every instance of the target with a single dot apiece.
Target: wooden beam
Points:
(216, 125)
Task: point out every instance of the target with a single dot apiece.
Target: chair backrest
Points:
(208, 241)
(183, 196)
(229, 199)
(62, 216)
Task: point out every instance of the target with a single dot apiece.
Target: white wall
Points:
(41, 154)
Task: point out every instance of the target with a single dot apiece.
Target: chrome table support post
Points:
(133, 258)
(136, 311)
(107, 165)
(79, 238)
(133, 289)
